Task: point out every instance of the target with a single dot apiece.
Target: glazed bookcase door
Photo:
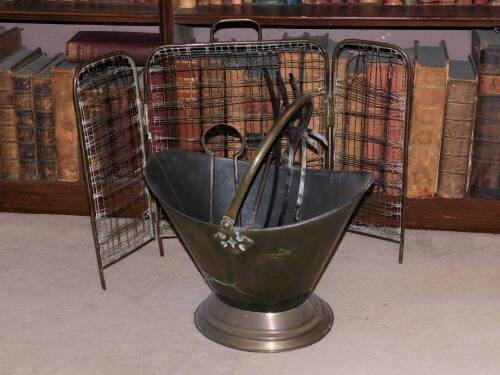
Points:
(111, 129)
(371, 99)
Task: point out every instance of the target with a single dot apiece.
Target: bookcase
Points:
(467, 214)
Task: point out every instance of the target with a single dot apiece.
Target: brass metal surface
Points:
(264, 332)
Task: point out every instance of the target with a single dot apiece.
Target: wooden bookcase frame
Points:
(467, 214)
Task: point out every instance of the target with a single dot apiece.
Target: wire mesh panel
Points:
(371, 116)
(192, 88)
(111, 134)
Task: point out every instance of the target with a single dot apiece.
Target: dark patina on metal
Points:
(262, 278)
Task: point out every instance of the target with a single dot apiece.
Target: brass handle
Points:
(228, 220)
(232, 23)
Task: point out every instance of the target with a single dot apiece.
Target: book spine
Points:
(120, 104)
(485, 175)
(212, 99)
(235, 98)
(338, 111)
(68, 164)
(25, 126)
(187, 83)
(354, 112)
(187, 4)
(457, 137)
(313, 82)
(45, 129)
(373, 152)
(394, 150)
(8, 135)
(426, 130)
(162, 128)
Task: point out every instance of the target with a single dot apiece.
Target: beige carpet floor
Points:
(438, 313)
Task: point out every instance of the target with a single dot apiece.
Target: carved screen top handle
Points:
(225, 24)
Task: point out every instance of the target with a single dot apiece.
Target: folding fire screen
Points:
(190, 89)
(371, 111)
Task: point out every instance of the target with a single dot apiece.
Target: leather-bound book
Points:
(68, 164)
(187, 90)
(377, 110)
(458, 128)
(87, 45)
(236, 76)
(44, 121)
(8, 133)
(163, 134)
(354, 110)
(394, 151)
(212, 99)
(10, 42)
(187, 4)
(485, 173)
(486, 52)
(24, 93)
(429, 92)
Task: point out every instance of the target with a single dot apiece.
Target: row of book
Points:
(37, 121)
(195, 3)
(155, 2)
(454, 145)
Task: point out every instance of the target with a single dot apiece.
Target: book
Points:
(394, 147)
(163, 134)
(187, 91)
(377, 104)
(236, 75)
(458, 128)
(23, 85)
(485, 171)
(8, 135)
(87, 45)
(10, 42)
(212, 101)
(68, 163)
(429, 92)
(44, 121)
(187, 4)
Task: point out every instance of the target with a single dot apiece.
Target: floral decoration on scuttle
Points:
(234, 239)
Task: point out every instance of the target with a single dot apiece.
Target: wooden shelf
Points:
(347, 16)
(79, 12)
(49, 197)
(467, 214)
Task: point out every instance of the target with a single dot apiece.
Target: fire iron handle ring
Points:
(223, 129)
(231, 23)
(304, 100)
